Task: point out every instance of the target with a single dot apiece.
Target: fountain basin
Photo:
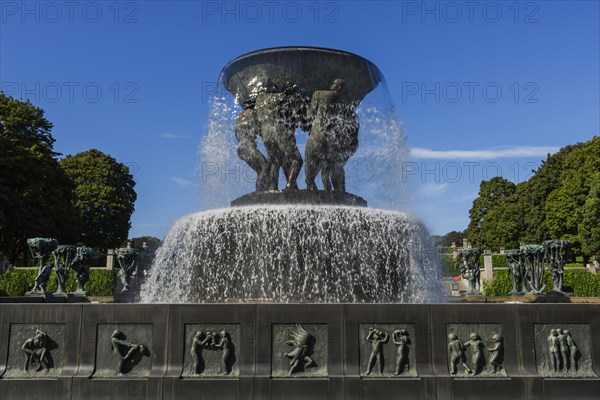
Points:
(299, 253)
(311, 68)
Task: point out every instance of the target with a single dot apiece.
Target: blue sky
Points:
(481, 88)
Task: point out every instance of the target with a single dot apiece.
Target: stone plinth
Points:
(331, 344)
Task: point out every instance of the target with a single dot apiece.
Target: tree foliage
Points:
(590, 224)
(492, 194)
(565, 204)
(104, 197)
(553, 204)
(35, 194)
(152, 243)
(455, 237)
(533, 194)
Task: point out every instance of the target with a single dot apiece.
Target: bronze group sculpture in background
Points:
(81, 265)
(516, 270)
(127, 258)
(533, 258)
(41, 248)
(554, 257)
(66, 257)
(470, 269)
(527, 265)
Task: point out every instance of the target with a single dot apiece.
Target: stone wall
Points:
(299, 351)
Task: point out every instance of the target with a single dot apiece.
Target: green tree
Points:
(35, 194)
(452, 237)
(503, 225)
(491, 193)
(534, 192)
(589, 229)
(152, 243)
(549, 205)
(565, 204)
(104, 197)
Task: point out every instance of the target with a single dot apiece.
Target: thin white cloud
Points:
(465, 197)
(172, 136)
(433, 189)
(181, 182)
(491, 154)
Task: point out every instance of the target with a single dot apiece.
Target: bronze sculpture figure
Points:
(457, 354)
(477, 357)
(333, 137)
(496, 353)
(377, 338)
(36, 352)
(128, 352)
(200, 341)
(554, 351)
(247, 131)
(223, 342)
(277, 114)
(572, 349)
(401, 339)
(303, 343)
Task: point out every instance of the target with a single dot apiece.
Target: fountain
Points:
(297, 245)
(280, 290)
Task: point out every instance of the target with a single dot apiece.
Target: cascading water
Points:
(297, 252)
(294, 254)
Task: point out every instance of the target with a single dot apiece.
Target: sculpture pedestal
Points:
(85, 366)
(286, 197)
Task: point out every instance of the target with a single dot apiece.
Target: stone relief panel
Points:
(563, 350)
(124, 350)
(387, 350)
(475, 350)
(211, 350)
(299, 350)
(36, 350)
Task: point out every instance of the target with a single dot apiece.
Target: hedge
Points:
(450, 266)
(498, 261)
(582, 282)
(17, 282)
